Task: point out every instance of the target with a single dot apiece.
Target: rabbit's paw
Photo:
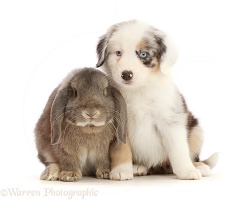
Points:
(102, 173)
(51, 173)
(70, 176)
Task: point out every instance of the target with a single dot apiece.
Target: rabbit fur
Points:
(83, 130)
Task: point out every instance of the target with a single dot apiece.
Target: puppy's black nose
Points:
(127, 75)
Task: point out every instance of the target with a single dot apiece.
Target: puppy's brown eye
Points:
(118, 53)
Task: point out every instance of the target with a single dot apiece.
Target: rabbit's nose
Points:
(91, 114)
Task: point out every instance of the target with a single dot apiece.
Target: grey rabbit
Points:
(83, 130)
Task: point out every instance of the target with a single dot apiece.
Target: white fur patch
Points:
(212, 160)
(190, 174)
(139, 170)
(92, 123)
(148, 122)
(122, 172)
(204, 169)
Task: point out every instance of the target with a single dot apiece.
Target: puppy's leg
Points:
(195, 142)
(121, 161)
(175, 141)
(204, 169)
(140, 170)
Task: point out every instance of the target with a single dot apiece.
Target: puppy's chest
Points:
(151, 108)
(144, 113)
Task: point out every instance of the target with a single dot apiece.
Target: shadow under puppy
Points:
(83, 130)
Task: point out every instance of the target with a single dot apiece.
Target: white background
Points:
(41, 41)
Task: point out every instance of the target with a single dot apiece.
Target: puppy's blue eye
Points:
(118, 53)
(143, 54)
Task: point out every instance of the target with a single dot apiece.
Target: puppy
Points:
(165, 136)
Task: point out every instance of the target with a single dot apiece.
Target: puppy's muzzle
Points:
(127, 75)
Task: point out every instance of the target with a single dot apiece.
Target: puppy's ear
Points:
(101, 49)
(120, 114)
(167, 51)
(103, 44)
(57, 114)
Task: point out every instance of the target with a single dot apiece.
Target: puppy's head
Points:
(133, 52)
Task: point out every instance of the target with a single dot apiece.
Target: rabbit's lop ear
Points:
(57, 114)
(120, 114)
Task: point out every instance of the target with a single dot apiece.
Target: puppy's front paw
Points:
(51, 173)
(139, 170)
(189, 174)
(204, 169)
(70, 176)
(121, 173)
(102, 173)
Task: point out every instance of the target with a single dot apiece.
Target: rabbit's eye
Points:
(74, 92)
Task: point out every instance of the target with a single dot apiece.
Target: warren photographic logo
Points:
(49, 192)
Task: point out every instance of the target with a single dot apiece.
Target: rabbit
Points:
(83, 130)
